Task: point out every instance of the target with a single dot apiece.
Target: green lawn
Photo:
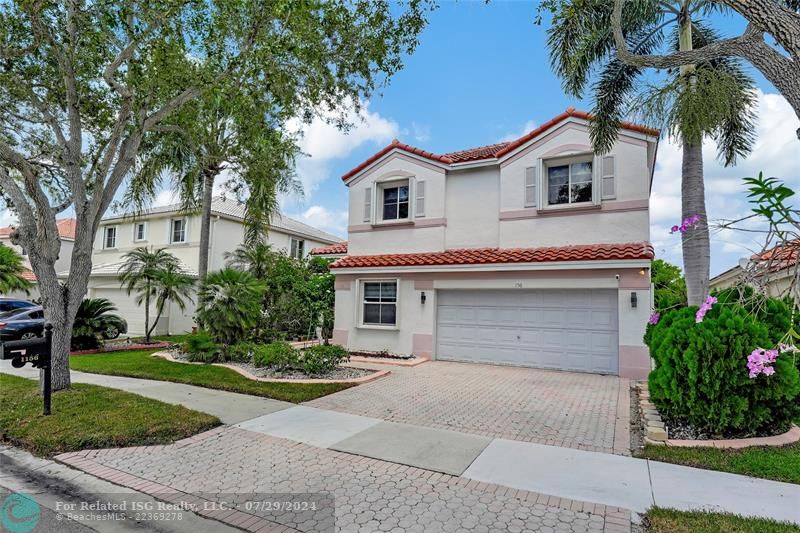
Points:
(781, 464)
(140, 364)
(670, 521)
(88, 416)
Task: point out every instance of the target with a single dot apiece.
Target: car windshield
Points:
(16, 314)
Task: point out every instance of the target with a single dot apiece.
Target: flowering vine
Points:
(686, 225)
(655, 316)
(705, 308)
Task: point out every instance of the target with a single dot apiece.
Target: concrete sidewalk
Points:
(601, 478)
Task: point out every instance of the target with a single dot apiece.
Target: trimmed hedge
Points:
(276, 355)
(323, 359)
(701, 374)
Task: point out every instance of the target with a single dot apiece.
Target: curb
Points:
(655, 432)
(354, 381)
(389, 361)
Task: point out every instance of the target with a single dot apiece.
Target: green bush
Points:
(95, 317)
(323, 359)
(277, 355)
(241, 352)
(774, 313)
(701, 374)
(201, 348)
(229, 305)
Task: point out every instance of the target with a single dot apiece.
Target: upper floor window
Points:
(297, 248)
(139, 231)
(569, 183)
(110, 237)
(178, 233)
(395, 202)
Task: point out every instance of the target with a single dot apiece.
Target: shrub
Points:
(229, 305)
(774, 313)
(323, 359)
(95, 317)
(201, 348)
(277, 355)
(701, 373)
(241, 352)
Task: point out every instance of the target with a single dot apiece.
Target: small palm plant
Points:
(11, 270)
(94, 319)
(171, 285)
(229, 304)
(141, 273)
(257, 259)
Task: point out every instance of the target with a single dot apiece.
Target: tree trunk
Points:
(696, 244)
(695, 241)
(155, 322)
(147, 314)
(205, 222)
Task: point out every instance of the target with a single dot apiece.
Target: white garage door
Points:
(132, 313)
(561, 329)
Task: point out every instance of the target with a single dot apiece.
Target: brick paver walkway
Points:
(584, 411)
(370, 495)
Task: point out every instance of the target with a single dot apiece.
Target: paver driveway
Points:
(242, 468)
(584, 411)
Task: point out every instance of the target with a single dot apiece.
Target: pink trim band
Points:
(417, 223)
(611, 206)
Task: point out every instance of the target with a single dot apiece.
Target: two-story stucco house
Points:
(168, 227)
(533, 252)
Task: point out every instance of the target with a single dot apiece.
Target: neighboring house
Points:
(333, 251)
(771, 272)
(66, 232)
(533, 252)
(179, 232)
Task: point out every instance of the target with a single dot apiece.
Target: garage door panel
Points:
(566, 329)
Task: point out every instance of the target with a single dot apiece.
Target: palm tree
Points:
(171, 285)
(257, 259)
(712, 99)
(140, 273)
(11, 270)
(95, 317)
(229, 304)
(216, 134)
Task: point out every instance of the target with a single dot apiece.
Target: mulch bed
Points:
(124, 348)
(382, 355)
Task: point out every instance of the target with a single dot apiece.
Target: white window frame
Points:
(362, 301)
(293, 248)
(136, 231)
(185, 222)
(105, 237)
(377, 203)
(544, 179)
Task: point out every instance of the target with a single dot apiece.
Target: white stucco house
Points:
(168, 227)
(533, 252)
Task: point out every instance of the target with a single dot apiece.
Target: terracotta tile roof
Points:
(29, 275)
(779, 257)
(491, 151)
(66, 228)
(581, 252)
(338, 248)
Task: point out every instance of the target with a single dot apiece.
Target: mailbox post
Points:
(37, 352)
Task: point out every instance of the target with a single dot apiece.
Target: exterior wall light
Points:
(422, 297)
(634, 300)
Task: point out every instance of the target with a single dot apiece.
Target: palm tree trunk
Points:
(147, 314)
(155, 322)
(696, 243)
(205, 221)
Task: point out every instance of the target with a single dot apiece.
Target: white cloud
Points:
(526, 128)
(324, 143)
(323, 218)
(421, 132)
(776, 152)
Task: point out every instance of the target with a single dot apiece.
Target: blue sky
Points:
(481, 74)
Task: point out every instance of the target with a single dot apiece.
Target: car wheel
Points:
(28, 335)
(111, 332)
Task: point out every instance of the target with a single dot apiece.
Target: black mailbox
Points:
(37, 352)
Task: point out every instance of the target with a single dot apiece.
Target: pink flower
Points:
(655, 316)
(687, 224)
(704, 308)
(759, 362)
